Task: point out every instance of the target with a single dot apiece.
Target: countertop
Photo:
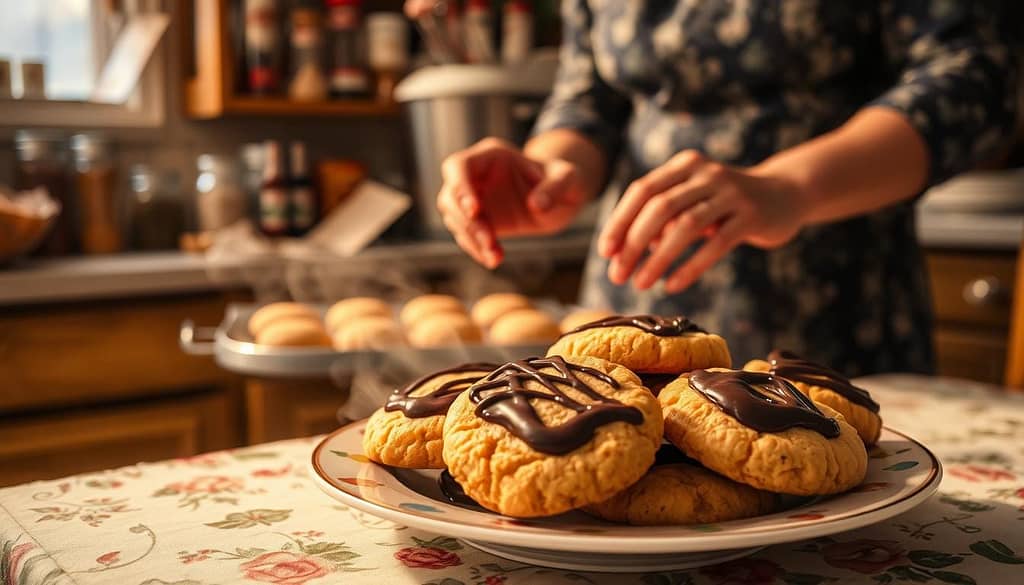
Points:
(255, 515)
(139, 274)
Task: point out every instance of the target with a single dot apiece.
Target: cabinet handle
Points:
(984, 292)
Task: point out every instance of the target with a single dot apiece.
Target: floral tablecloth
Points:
(254, 516)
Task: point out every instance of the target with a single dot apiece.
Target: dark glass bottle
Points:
(303, 204)
(348, 76)
(273, 193)
(264, 47)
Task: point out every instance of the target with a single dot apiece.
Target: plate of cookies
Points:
(630, 446)
(303, 339)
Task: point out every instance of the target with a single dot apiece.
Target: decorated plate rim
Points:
(624, 538)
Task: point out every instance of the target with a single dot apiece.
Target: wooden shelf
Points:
(209, 91)
(277, 106)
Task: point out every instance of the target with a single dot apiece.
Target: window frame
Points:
(146, 108)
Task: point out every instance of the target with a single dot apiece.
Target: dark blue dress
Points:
(740, 80)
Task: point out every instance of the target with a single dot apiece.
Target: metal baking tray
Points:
(234, 350)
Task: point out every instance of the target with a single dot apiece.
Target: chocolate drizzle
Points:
(438, 401)
(778, 407)
(453, 492)
(502, 398)
(653, 324)
(792, 367)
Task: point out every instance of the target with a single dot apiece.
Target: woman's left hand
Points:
(690, 197)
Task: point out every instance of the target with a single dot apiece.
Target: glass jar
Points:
(41, 162)
(96, 180)
(220, 199)
(388, 50)
(155, 214)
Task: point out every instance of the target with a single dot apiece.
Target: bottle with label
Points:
(348, 76)
(273, 193)
(517, 32)
(308, 82)
(303, 202)
(264, 50)
(479, 36)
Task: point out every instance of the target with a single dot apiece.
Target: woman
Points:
(774, 148)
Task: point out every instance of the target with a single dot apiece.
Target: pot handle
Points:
(196, 340)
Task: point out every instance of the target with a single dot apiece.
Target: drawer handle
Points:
(984, 292)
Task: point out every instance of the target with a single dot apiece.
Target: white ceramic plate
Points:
(902, 473)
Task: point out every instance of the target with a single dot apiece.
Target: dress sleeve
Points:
(956, 79)
(581, 100)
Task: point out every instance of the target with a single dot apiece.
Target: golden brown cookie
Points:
(407, 431)
(489, 308)
(535, 457)
(681, 493)
(797, 460)
(646, 343)
(350, 309)
(828, 387)
(267, 314)
(582, 317)
(294, 332)
(373, 332)
(443, 330)
(524, 326)
(424, 306)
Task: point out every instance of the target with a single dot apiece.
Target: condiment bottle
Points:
(95, 179)
(156, 217)
(273, 193)
(348, 77)
(264, 54)
(303, 204)
(308, 81)
(479, 37)
(40, 163)
(388, 43)
(220, 199)
(517, 32)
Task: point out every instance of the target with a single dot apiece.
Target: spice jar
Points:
(96, 180)
(41, 162)
(388, 42)
(155, 214)
(220, 198)
(348, 75)
(308, 81)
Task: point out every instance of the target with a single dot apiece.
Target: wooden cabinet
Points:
(972, 294)
(282, 409)
(100, 384)
(66, 442)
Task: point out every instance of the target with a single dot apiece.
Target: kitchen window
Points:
(53, 55)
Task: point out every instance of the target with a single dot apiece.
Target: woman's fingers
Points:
(676, 170)
(689, 227)
(557, 186)
(475, 236)
(729, 235)
(650, 222)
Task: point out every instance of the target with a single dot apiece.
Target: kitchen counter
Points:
(156, 273)
(975, 231)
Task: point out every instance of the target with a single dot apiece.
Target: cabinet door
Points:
(55, 445)
(285, 409)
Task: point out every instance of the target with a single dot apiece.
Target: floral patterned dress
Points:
(742, 79)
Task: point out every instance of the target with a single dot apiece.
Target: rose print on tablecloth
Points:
(285, 568)
(436, 553)
(864, 556)
(217, 488)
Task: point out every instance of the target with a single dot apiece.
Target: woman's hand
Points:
(492, 189)
(691, 197)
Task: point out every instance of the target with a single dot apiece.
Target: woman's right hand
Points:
(492, 189)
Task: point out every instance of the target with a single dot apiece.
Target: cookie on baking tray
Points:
(274, 312)
(424, 306)
(524, 326)
(443, 330)
(683, 493)
(407, 430)
(646, 343)
(370, 332)
(542, 436)
(760, 430)
(489, 308)
(294, 332)
(348, 310)
(826, 386)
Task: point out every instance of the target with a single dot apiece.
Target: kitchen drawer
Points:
(59, 444)
(973, 288)
(283, 409)
(102, 351)
(974, 354)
